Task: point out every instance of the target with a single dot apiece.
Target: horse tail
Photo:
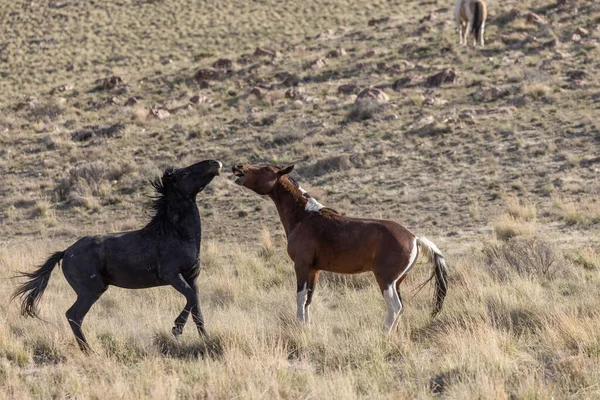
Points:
(477, 18)
(440, 272)
(32, 290)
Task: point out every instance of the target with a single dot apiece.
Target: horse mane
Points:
(307, 195)
(159, 204)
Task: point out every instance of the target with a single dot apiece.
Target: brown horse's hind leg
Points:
(313, 275)
(76, 314)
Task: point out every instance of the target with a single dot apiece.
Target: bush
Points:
(525, 257)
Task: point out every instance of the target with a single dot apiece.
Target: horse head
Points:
(260, 179)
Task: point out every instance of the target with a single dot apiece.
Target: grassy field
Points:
(498, 166)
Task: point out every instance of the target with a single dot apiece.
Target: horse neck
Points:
(180, 213)
(290, 204)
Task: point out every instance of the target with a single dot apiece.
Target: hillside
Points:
(496, 160)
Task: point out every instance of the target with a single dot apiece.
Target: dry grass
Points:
(514, 136)
(507, 227)
(528, 332)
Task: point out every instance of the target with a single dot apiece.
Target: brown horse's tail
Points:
(440, 272)
(477, 18)
(32, 290)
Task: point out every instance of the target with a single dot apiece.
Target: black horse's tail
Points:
(31, 291)
(477, 19)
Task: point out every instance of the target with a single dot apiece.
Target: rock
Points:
(576, 74)
(109, 83)
(223, 63)
(336, 53)
(347, 89)
(290, 80)
(317, 64)
(98, 131)
(392, 117)
(131, 101)
(489, 94)
(378, 95)
(371, 53)
(582, 32)
(577, 84)
(533, 18)
(379, 21)
(166, 61)
(207, 74)
(264, 52)
(294, 93)
(29, 103)
(62, 88)
(197, 99)
(158, 113)
(576, 38)
(175, 110)
(433, 101)
(520, 101)
(446, 76)
(401, 83)
(258, 92)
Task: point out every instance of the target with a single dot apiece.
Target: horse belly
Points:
(344, 261)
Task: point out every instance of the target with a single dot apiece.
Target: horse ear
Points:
(286, 170)
(168, 174)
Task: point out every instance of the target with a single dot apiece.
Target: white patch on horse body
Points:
(311, 203)
(393, 306)
(412, 259)
(301, 298)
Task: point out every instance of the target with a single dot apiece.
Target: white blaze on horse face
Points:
(301, 298)
(311, 203)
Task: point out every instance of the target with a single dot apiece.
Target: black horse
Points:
(165, 252)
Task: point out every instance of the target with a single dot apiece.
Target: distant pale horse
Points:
(470, 17)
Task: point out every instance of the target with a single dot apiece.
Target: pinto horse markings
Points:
(165, 252)
(320, 239)
(470, 16)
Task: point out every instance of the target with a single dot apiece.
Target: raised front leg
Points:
(192, 305)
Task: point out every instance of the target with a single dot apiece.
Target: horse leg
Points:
(481, 42)
(459, 30)
(302, 276)
(313, 275)
(77, 312)
(196, 312)
(191, 296)
(467, 29)
(392, 302)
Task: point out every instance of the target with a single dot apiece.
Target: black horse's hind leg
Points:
(190, 292)
(77, 312)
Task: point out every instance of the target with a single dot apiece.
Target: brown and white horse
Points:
(320, 239)
(470, 16)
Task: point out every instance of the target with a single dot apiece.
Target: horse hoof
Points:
(176, 332)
